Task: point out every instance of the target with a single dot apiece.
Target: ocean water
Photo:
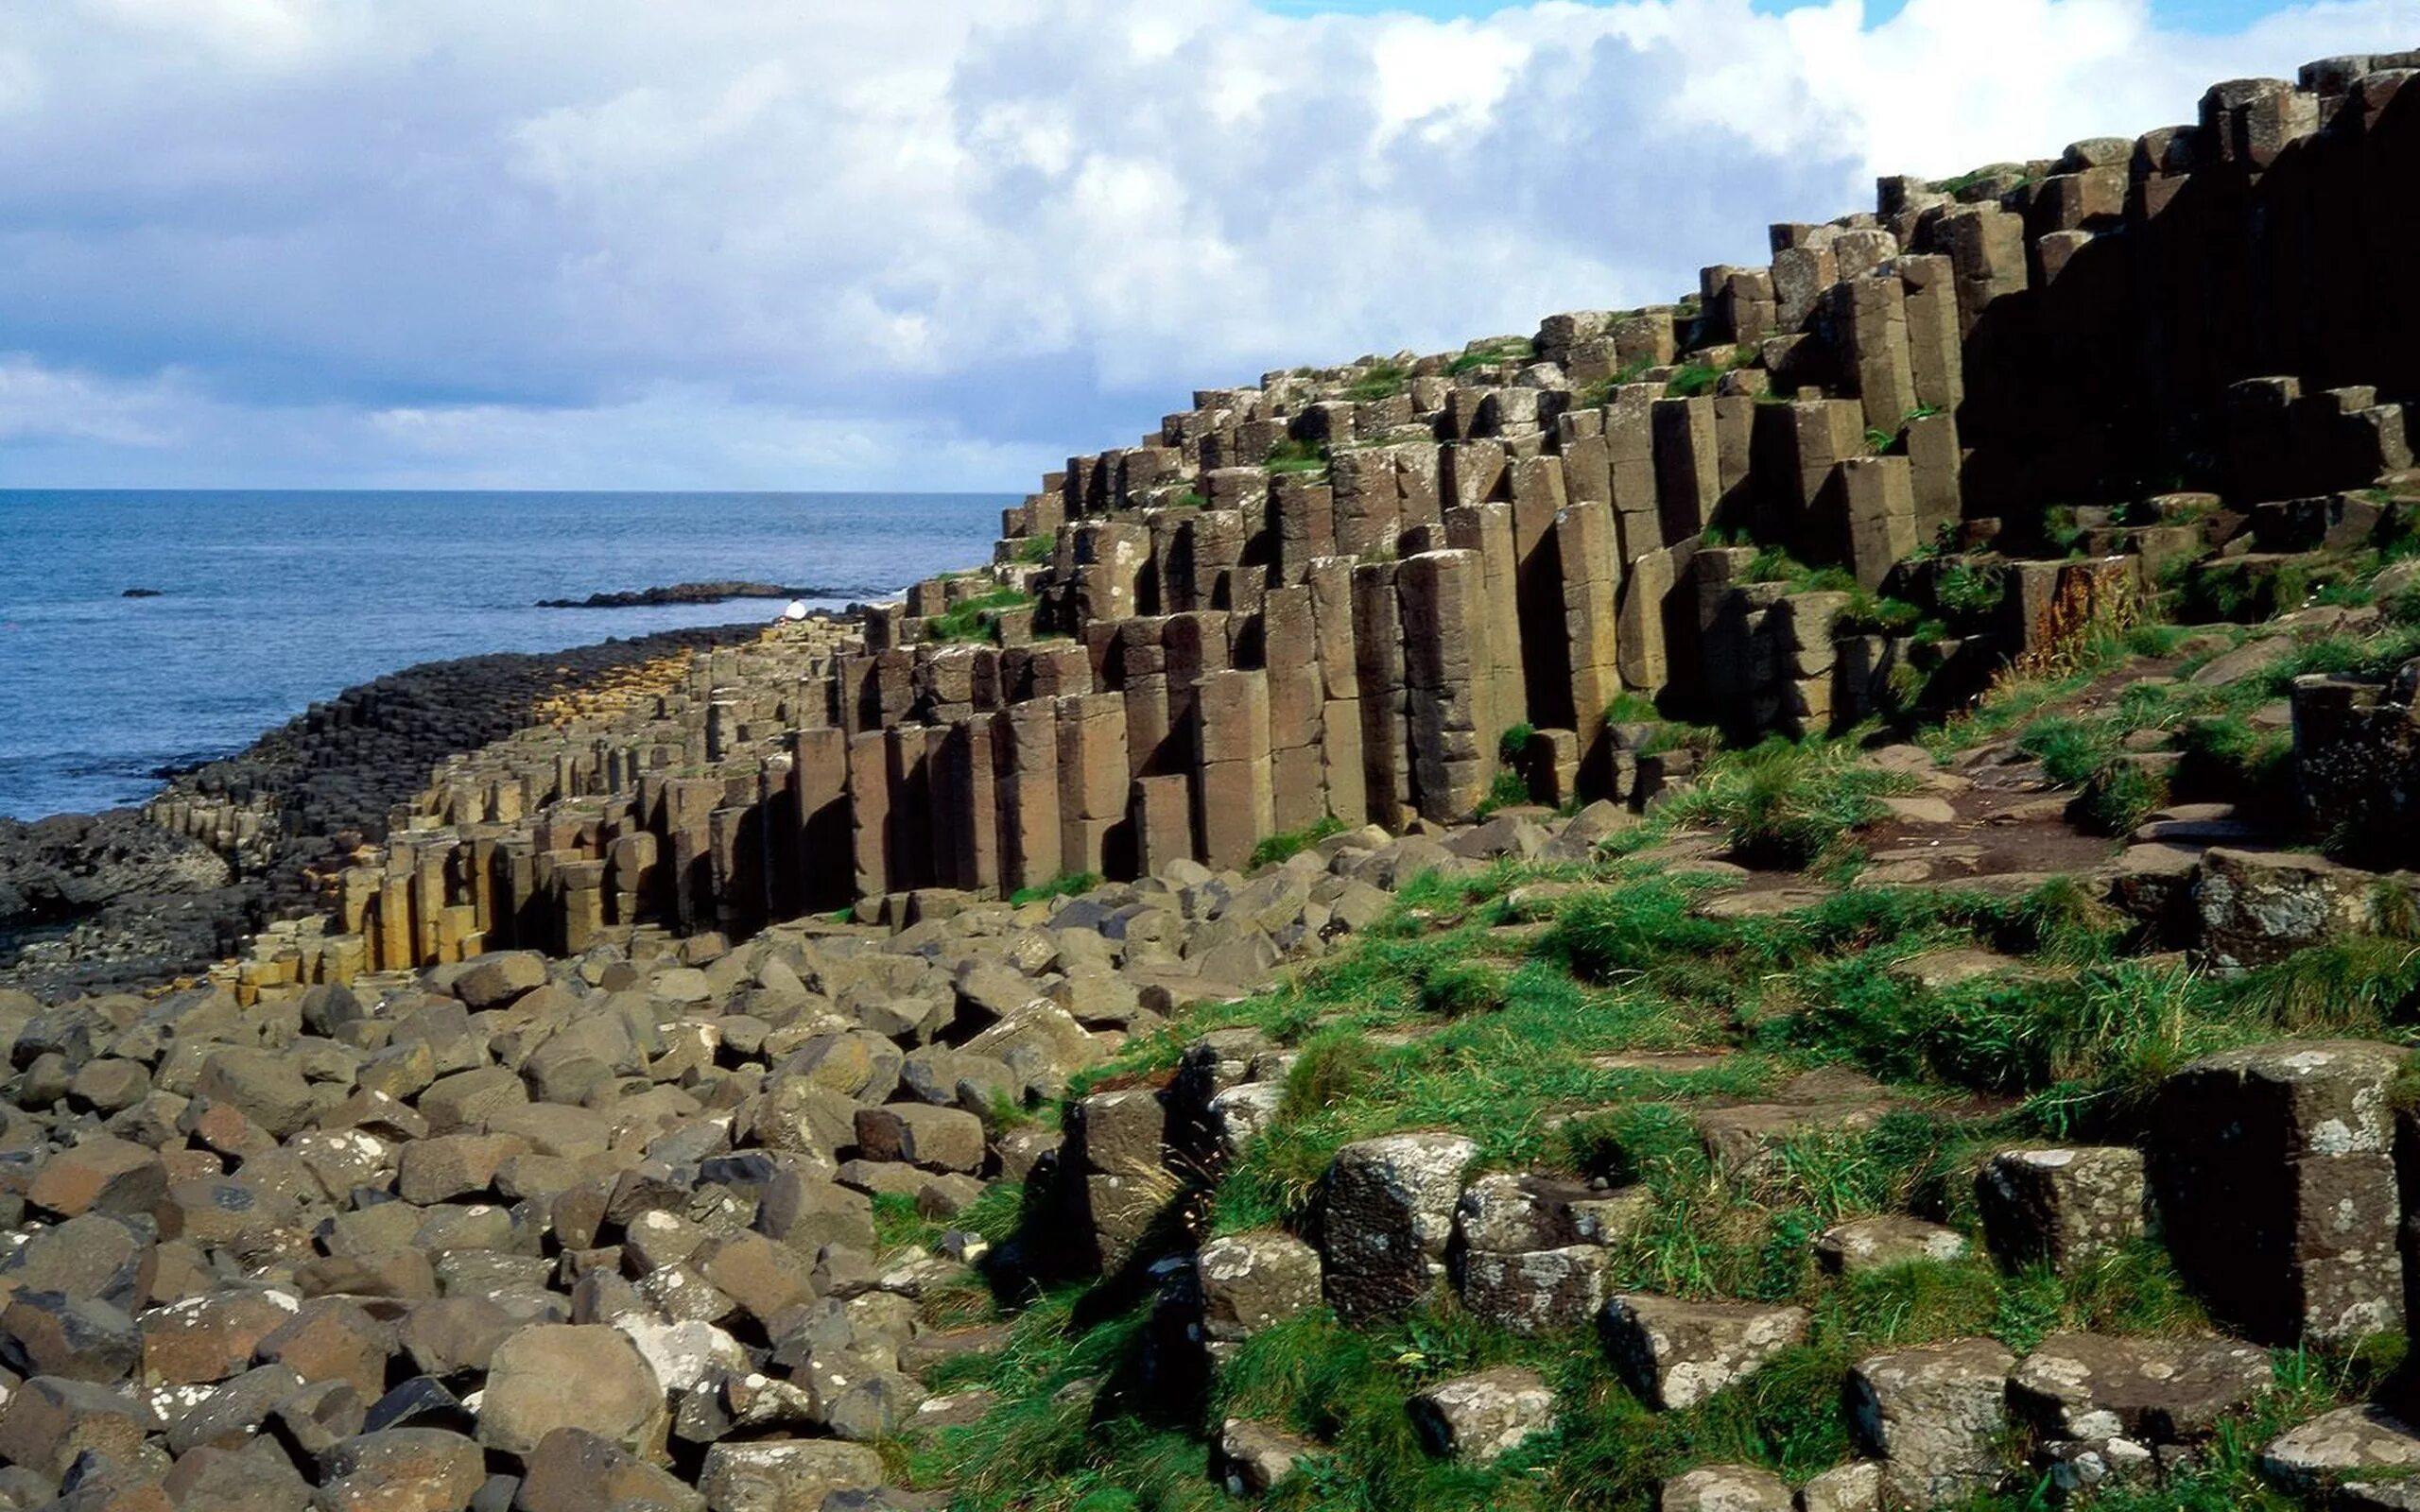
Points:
(269, 601)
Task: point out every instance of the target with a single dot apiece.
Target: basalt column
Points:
(1343, 772)
(870, 813)
(1583, 538)
(1377, 660)
(820, 788)
(1445, 629)
(1499, 699)
(1030, 820)
(1093, 835)
(1546, 663)
(1234, 804)
(1288, 650)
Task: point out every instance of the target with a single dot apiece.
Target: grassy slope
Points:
(1447, 1014)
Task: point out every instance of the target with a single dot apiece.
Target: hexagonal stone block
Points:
(553, 1375)
(939, 1139)
(1254, 1281)
(1879, 1243)
(2085, 1385)
(1390, 1214)
(1478, 1419)
(2276, 1189)
(2067, 1206)
(1852, 1487)
(1725, 1489)
(1536, 1291)
(1254, 1457)
(2348, 1440)
(1933, 1415)
(1676, 1354)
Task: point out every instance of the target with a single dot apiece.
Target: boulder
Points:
(1535, 1291)
(1255, 1458)
(2273, 1170)
(1478, 1419)
(583, 1376)
(1878, 1242)
(2084, 1385)
(1934, 1415)
(1852, 1487)
(1390, 1214)
(1253, 1281)
(495, 979)
(401, 1470)
(2347, 1440)
(784, 1474)
(2069, 1206)
(1725, 1489)
(1676, 1354)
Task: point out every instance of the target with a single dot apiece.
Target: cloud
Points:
(768, 243)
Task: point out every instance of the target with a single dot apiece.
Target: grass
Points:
(1298, 457)
(1436, 1018)
(1504, 1046)
(977, 618)
(1379, 381)
(1773, 565)
(1691, 380)
(1867, 613)
(1969, 588)
(1789, 803)
(1066, 885)
(1281, 847)
(1034, 550)
(1510, 789)
(1520, 350)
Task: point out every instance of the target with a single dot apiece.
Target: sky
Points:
(828, 244)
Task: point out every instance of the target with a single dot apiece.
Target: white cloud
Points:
(769, 243)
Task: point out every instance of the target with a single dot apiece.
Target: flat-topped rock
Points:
(2068, 1205)
(1725, 1489)
(1889, 1239)
(1933, 1415)
(1478, 1419)
(2349, 1439)
(1677, 1354)
(2085, 1385)
(1389, 1215)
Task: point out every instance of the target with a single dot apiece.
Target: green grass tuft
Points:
(1789, 803)
(1068, 885)
(1285, 846)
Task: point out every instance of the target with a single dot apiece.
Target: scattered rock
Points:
(1478, 1419)
(1676, 1353)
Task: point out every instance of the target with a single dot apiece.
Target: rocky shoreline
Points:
(715, 593)
(1395, 948)
(135, 897)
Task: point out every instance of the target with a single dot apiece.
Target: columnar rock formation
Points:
(1331, 594)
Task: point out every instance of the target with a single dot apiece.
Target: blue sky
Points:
(798, 244)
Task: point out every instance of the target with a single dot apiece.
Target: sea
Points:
(269, 601)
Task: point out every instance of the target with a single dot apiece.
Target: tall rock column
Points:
(2273, 1170)
(1445, 632)
(1031, 825)
(1489, 532)
(1092, 774)
(1291, 652)
(1342, 770)
(1232, 796)
(1377, 660)
(1583, 535)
